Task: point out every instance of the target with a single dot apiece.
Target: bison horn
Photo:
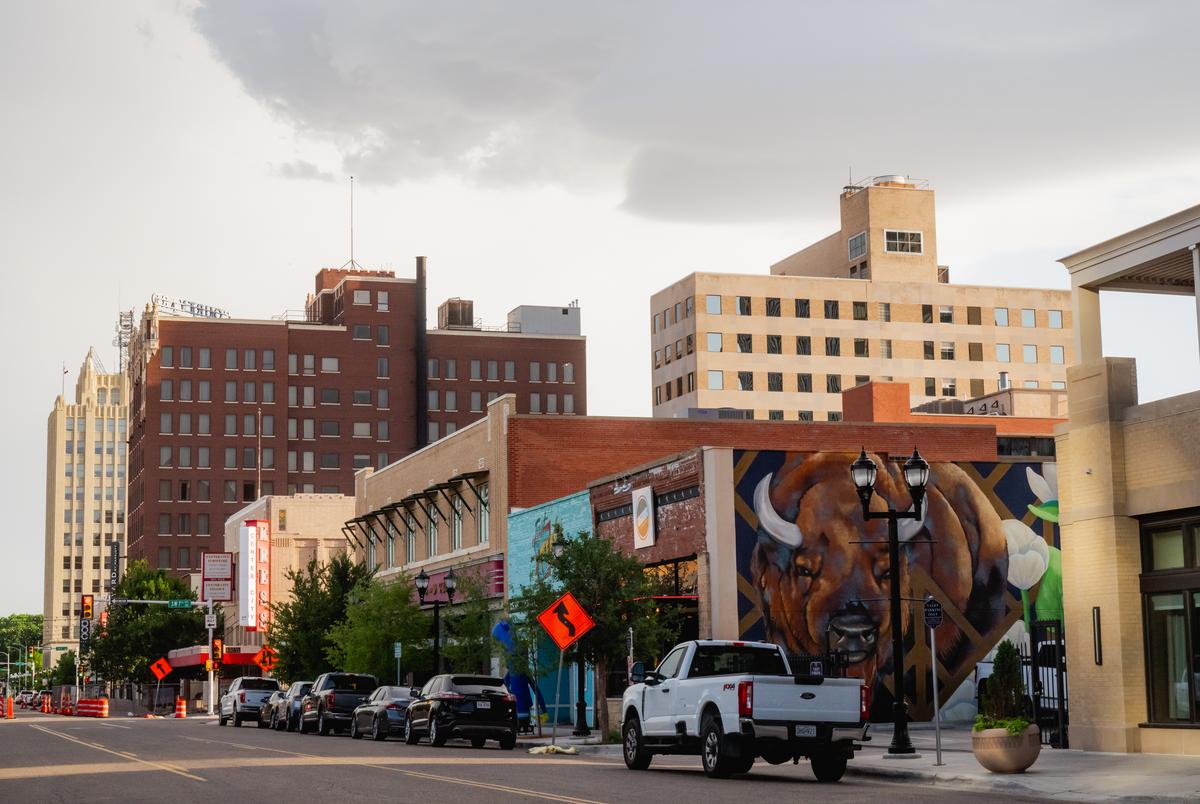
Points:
(769, 519)
(907, 529)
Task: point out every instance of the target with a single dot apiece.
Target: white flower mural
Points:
(1028, 554)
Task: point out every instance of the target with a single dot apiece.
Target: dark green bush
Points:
(1003, 702)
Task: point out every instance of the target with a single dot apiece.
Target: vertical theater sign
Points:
(254, 577)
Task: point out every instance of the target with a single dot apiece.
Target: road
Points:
(167, 761)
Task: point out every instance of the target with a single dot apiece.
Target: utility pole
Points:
(210, 621)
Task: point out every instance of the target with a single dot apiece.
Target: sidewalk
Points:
(1067, 775)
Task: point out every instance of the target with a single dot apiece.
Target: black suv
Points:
(331, 702)
(477, 708)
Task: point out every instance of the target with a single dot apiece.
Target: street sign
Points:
(114, 565)
(565, 621)
(179, 604)
(216, 580)
(56, 647)
(266, 658)
(397, 649)
(85, 630)
(161, 669)
(210, 621)
(933, 613)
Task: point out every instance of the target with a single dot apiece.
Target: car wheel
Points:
(322, 724)
(300, 723)
(637, 757)
(237, 720)
(436, 738)
(354, 732)
(289, 722)
(477, 742)
(828, 768)
(380, 731)
(508, 741)
(273, 723)
(221, 721)
(714, 750)
(261, 722)
(410, 734)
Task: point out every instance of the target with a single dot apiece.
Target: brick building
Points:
(226, 410)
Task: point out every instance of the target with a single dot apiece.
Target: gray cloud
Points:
(719, 111)
(301, 169)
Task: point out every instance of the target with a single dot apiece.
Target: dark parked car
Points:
(266, 712)
(381, 714)
(477, 708)
(287, 711)
(244, 698)
(332, 700)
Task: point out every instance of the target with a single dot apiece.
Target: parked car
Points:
(731, 702)
(382, 714)
(332, 700)
(475, 707)
(266, 712)
(287, 711)
(26, 697)
(244, 698)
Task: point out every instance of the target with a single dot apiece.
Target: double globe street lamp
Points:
(422, 584)
(916, 475)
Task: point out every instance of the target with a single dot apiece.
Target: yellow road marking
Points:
(98, 747)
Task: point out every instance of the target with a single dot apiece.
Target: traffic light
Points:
(87, 607)
(31, 651)
(104, 619)
(218, 652)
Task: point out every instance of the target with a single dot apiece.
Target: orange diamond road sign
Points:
(565, 621)
(266, 658)
(161, 669)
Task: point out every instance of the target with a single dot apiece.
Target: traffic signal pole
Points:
(210, 692)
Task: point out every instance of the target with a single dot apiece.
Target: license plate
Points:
(483, 704)
(804, 731)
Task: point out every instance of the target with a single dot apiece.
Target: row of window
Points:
(96, 493)
(674, 351)
(947, 350)
(715, 381)
(182, 357)
(448, 401)
(363, 297)
(70, 446)
(297, 460)
(307, 429)
(860, 311)
(78, 562)
(387, 540)
(77, 469)
(250, 394)
(673, 314)
(77, 515)
(448, 370)
(78, 541)
(113, 425)
(183, 559)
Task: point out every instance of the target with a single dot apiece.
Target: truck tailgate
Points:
(781, 698)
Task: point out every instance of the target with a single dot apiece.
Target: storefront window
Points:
(1171, 601)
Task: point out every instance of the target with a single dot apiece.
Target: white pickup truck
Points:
(731, 702)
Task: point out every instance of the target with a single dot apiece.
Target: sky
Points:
(544, 152)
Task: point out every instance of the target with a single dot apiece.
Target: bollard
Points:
(180, 707)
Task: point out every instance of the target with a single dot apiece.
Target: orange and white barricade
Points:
(180, 707)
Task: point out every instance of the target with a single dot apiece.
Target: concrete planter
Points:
(1001, 752)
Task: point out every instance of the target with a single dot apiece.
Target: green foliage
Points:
(20, 629)
(139, 634)
(614, 589)
(379, 616)
(1003, 704)
(467, 642)
(64, 670)
(300, 629)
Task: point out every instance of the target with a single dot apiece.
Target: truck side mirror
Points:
(637, 673)
(413, 692)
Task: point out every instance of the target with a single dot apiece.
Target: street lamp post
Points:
(916, 475)
(422, 584)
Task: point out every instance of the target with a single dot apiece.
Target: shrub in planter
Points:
(1003, 739)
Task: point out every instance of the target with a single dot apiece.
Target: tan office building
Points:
(85, 497)
(869, 302)
(1129, 491)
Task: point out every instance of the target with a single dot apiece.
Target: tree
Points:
(137, 635)
(64, 670)
(300, 629)
(614, 589)
(20, 629)
(467, 641)
(379, 616)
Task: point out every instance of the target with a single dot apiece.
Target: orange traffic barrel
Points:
(180, 707)
(9, 709)
(103, 708)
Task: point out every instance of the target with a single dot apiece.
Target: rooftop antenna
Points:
(352, 264)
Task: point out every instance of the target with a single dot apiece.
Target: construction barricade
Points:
(181, 707)
(92, 707)
(46, 703)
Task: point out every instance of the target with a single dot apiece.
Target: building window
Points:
(976, 388)
(1055, 318)
(1003, 353)
(688, 307)
(745, 343)
(804, 383)
(657, 323)
(382, 336)
(1002, 316)
(1170, 583)
(535, 371)
(974, 315)
(569, 399)
(456, 524)
(831, 309)
(1029, 384)
(833, 347)
(451, 401)
(930, 386)
(833, 416)
(975, 352)
(716, 380)
(856, 246)
(1004, 381)
(205, 357)
(493, 371)
(902, 242)
(476, 402)
(362, 297)
(510, 371)
(946, 314)
(928, 350)
(451, 369)
(861, 347)
(535, 403)
(860, 311)
(949, 387)
(1028, 318)
(833, 383)
(166, 391)
(166, 357)
(1057, 355)
(861, 379)
(885, 348)
(743, 305)
(712, 305)
(774, 344)
(1029, 351)
(806, 415)
(885, 311)
(431, 529)
(774, 381)
(745, 380)
(432, 401)
(773, 308)
(381, 367)
(947, 350)
(775, 415)
(803, 345)
(1058, 385)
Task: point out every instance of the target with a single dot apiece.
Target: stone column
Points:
(1086, 304)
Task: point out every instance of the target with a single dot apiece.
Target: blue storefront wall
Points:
(530, 534)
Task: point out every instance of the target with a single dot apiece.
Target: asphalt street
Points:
(53, 758)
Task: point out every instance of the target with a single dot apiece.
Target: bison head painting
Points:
(821, 571)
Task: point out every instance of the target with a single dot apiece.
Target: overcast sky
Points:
(540, 152)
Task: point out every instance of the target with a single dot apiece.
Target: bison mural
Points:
(819, 573)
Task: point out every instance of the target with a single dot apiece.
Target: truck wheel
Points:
(636, 755)
(237, 719)
(714, 750)
(828, 767)
(322, 724)
(508, 741)
(221, 721)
